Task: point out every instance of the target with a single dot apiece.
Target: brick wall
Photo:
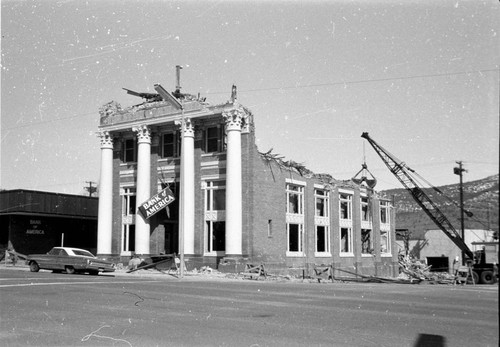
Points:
(265, 208)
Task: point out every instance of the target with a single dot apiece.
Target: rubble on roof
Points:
(325, 178)
(294, 166)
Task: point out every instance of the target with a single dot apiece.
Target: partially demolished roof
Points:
(156, 106)
(290, 165)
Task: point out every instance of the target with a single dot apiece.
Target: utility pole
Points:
(459, 171)
(91, 189)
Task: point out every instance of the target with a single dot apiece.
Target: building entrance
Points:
(171, 237)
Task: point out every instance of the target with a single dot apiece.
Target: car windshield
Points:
(82, 252)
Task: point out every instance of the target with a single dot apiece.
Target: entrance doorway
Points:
(171, 238)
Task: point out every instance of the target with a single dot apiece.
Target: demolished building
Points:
(233, 204)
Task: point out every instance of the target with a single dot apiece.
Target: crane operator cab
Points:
(485, 263)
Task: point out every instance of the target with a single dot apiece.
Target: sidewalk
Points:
(213, 275)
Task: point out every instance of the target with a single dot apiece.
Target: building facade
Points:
(233, 204)
(34, 221)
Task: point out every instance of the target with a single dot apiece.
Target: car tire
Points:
(487, 277)
(70, 270)
(34, 266)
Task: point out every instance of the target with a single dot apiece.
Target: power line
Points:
(292, 87)
(358, 81)
(51, 120)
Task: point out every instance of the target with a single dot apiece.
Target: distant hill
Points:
(480, 198)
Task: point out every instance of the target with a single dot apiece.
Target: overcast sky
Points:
(422, 77)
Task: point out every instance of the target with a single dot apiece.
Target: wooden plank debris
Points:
(323, 273)
(256, 271)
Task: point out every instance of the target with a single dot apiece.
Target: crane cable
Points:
(441, 193)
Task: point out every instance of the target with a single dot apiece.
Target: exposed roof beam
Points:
(168, 97)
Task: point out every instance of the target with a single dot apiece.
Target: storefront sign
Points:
(34, 228)
(157, 203)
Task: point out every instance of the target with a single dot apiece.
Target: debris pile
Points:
(413, 269)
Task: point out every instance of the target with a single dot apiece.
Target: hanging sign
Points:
(157, 203)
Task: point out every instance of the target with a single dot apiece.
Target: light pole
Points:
(459, 171)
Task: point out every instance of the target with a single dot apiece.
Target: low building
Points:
(435, 248)
(34, 221)
(233, 204)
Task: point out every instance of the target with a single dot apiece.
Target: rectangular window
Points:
(215, 197)
(128, 212)
(346, 240)
(295, 237)
(365, 209)
(385, 244)
(322, 203)
(128, 238)
(384, 212)
(170, 145)
(295, 219)
(295, 199)
(129, 202)
(322, 239)
(345, 206)
(216, 236)
(366, 241)
(213, 139)
(130, 150)
(269, 228)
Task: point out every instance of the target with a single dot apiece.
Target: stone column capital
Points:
(235, 119)
(188, 127)
(143, 133)
(106, 139)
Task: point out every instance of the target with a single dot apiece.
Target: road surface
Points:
(48, 309)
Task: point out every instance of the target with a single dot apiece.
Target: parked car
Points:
(70, 260)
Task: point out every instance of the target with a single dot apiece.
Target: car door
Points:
(50, 260)
(62, 260)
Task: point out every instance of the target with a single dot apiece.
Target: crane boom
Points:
(403, 174)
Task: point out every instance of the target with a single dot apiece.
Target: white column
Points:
(105, 212)
(187, 186)
(234, 121)
(143, 187)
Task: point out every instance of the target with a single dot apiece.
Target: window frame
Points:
(295, 216)
(129, 209)
(345, 198)
(209, 239)
(299, 194)
(350, 244)
(210, 188)
(326, 236)
(129, 197)
(175, 144)
(388, 251)
(126, 150)
(326, 202)
(384, 212)
(365, 209)
(219, 138)
(213, 216)
(367, 251)
(300, 240)
(322, 221)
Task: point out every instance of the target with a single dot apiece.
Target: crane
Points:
(405, 175)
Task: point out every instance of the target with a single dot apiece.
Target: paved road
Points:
(46, 309)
